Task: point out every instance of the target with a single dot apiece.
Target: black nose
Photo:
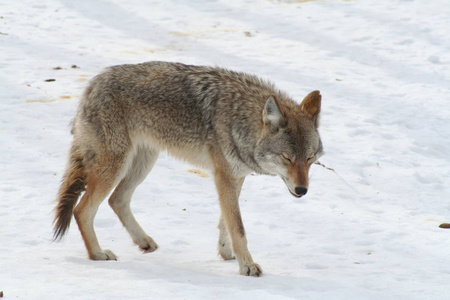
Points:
(301, 190)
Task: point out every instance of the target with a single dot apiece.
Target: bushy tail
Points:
(73, 184)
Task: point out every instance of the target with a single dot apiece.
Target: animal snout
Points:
(301, 191)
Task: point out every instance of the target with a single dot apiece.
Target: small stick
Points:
(322, 165)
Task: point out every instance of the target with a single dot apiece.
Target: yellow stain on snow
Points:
(179, 33)
(84, 77)
(129, 52)
(199, 173)
(433, 220)
(63, 97)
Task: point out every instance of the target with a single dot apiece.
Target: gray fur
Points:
(231, 123)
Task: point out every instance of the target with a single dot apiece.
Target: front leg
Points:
(224, 246)
(228, 189)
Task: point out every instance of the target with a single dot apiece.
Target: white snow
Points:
(368, 230)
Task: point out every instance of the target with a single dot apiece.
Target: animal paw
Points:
(251, 270)
(103, 255)
(147, 245)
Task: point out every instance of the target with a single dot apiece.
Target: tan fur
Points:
(298, 173)
(231, 123)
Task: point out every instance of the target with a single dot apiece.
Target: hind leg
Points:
(141, 165)
(96, 191)
(224, 245)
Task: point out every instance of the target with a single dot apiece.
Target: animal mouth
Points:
(292, 193)
(295, 195)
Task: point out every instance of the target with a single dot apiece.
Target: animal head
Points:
(289, 141)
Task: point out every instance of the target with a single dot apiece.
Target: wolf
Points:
(230, 123)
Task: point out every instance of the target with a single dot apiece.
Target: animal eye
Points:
(286, 156)
(311, 158)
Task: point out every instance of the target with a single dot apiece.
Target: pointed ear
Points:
(311, 106)
(272, 115)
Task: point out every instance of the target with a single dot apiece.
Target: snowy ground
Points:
(368, 230)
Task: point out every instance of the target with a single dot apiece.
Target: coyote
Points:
(228, 122)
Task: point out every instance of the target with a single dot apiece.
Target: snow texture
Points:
(368, 228)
